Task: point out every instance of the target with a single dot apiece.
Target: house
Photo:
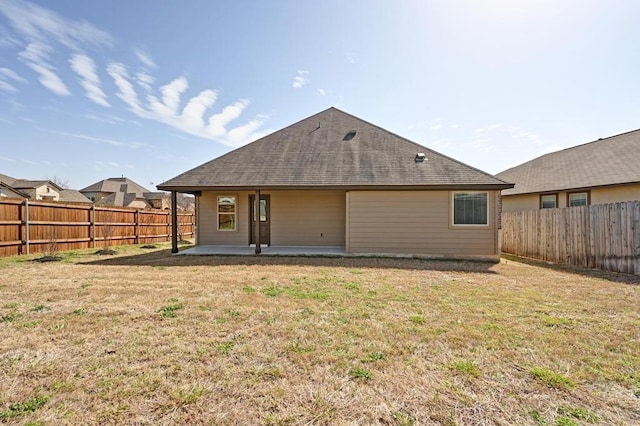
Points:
(599, 172)
(158, 200)
(44, 190)
(335, 180)
(117, 191)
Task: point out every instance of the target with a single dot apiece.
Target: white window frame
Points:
(475, 225)
(219, 213)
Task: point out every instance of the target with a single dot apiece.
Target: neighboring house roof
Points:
(8, 191)
(73, 196)
(610, 161)
(120, 199)
(7, 180)
(121, 184)
(156, 195)
(332, 149)
(122, 191)
(32, 184)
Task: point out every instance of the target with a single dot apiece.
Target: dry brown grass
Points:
(147, 338)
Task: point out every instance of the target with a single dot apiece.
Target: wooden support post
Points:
(174, 222)
(256, 217)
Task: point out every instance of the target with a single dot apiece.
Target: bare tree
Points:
(107, 232)
(186, 203)
(62, 182)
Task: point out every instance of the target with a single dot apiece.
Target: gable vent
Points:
(349, 136)
(420, 157)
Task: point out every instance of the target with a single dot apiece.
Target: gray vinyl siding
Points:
(415, 222)
(307, 218)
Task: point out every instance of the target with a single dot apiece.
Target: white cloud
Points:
(145, 58)
(126, 91)
(350, 58)
(112, 142)
(50, 80)
(86, 70)
(145, 80)
(36, 56)
(194, 111)
(37, 24)
(170, 98)
(300, 80)
(7, 39)
(191, 118)
(435, 127)
(321, 92)
(110, 119)
(40, 31)
(10, 74)
(7, 87)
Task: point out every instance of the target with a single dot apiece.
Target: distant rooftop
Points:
(609, 161)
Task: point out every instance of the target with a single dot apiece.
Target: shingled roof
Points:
(610, 161)
(332, 149)
(116, 184)
(7, 180)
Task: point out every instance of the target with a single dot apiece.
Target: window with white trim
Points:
(578, 199)
(227, 213)
(471, 208)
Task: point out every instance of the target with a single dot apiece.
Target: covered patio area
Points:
(249, 250)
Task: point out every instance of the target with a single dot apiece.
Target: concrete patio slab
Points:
(206, 250)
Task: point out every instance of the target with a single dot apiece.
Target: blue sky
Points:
(149, 89)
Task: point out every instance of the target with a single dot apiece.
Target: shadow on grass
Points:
(165, 258)
(617, 277)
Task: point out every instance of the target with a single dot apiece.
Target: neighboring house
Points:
(335, 180)
(158, 200)
(121, 192)
(599, 172)
(44, 190)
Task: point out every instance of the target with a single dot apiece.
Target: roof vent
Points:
(349, 136)
(420, 157)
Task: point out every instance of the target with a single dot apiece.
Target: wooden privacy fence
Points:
(41, 227)
(604, 236)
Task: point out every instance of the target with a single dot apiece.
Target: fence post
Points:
(26, 224)
(137, 237)
(93, 225)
